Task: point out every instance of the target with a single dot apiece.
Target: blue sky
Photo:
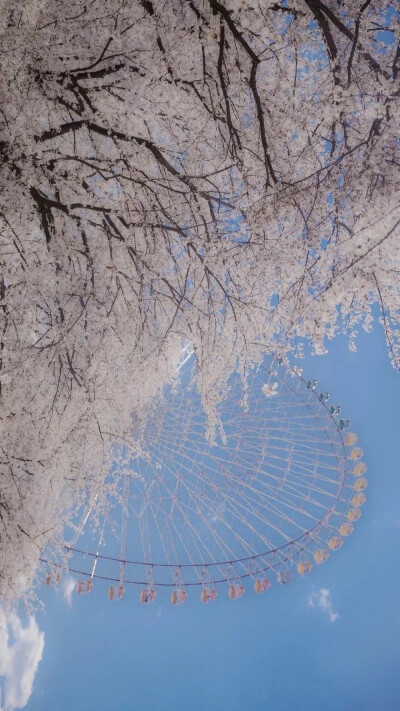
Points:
(330, 641)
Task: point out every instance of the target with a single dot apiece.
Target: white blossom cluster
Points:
(223, 173)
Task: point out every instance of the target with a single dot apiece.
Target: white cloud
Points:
(68, 587)
(21, 649)
(322, 599)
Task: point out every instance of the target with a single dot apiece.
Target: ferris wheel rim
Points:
(228, 561)
(171, 584)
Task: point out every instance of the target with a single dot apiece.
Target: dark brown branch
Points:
(44, 205)
(350, 35)
(232, 130)
(112, 133)
(217, 7)
(313, 5)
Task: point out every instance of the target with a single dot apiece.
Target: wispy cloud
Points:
(21, 649)
(68, 587)
(323, 600)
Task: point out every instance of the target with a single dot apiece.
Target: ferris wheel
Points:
(275, 495)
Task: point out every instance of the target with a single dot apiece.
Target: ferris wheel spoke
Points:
(195, 533)
(235, 507)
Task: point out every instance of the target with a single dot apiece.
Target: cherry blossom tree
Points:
(173, 171)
